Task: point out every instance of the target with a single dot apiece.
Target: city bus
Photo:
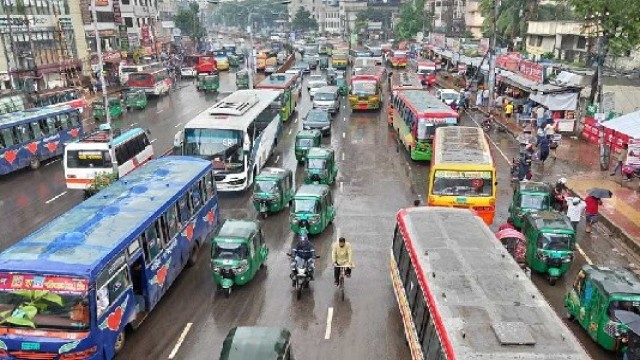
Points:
(462, 296)
(405, 81)
(31, 136)
(427, 72)
(339, 59)
(365, 91)
(202, 64)
(73, 97)
(238, 135)
(290, 88)
(155, 82)
(89, 156)
(462, 172)
(416, 116)
(266, 58)
(73, 288)
(398, 59)
(125, 69)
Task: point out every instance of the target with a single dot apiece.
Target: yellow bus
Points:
(463, 174)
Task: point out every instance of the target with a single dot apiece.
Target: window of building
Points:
(582, 42)
(539, 41)
(126, 2)
(128, 22)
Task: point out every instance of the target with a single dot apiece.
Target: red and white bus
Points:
(201, 64)
(462, 296)
(427, 72)
(73, 97)
(153, 82)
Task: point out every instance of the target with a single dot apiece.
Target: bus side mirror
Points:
(177, 143)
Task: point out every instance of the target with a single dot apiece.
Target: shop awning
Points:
(556, 101)
(628, 124)
(516, 80)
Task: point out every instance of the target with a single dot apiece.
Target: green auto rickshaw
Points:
(98, 111)
(320, 167)
(273, 189)
(305, 140)
(341, 83)
(323, 63)
(207, 82)
(528, 196)
(550, 243)
(313, 205)
(238, 251)
(136, 99)
(597, 294)
(115, 109)
(233, 60)
(257, 342)
(242, 79)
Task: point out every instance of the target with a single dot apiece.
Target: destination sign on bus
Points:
(90, 155)
(42, 282)
(448, 120)
(449, 174)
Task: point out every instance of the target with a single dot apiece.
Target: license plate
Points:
(30, 346)
(461, 200)
(363, 106)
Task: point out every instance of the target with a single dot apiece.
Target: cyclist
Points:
(341, 255)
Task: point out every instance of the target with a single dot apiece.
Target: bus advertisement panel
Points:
(365, 91)
(238, 135)
(74, 287)
(29, 137)
(463, 174)
(416, 116)
(156, 82)
(461, 298)
(427, 72)
(291, 89)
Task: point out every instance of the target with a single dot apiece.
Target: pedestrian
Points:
(591, 210)
(543, 148)
(485, 97)
(479, 98)
(575, 208)
(508, 109)
(539, 116)
(622, 157)
(525, 163)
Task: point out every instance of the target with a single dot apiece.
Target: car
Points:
(448, 96)
(327, 98)
(270, 69)
(315, 86)
(316, 78)
(317, 119)
(188, 72)
(302, 66)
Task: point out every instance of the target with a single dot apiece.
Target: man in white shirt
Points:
(540, 116)
(575, 208)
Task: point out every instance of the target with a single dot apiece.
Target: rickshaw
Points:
(234, 61)
(320, 167)
(208, 82)
(238, 251)
(515, 243)
(242, 79)
(312, 203)
(550, 243)
(528, 196)
(257, 342)
(115, 109)
(323, 63)
(305, 140)
(341, 83)
(135, 99)
(596, 299)
(272, 191)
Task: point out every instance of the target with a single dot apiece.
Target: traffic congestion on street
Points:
(318, 200)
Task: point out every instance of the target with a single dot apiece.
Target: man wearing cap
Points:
(575, 207)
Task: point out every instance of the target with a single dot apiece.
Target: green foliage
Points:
(100, 182)
(304, 21)
(621, 27)
(237, 13)
(548, 55)
(188, 20)
(371, 14)
(35, 301)
(413, 19)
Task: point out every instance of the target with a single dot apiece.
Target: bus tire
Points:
(34, 163)
(118, 345)
(193, 255)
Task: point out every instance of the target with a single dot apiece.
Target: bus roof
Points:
(482, 303)
(368, 73)
(236, 111)
(422, 102)
(277, 81)
(79, 241)
(102, 136)
(404, 80)
(29, 115)
(459, 145)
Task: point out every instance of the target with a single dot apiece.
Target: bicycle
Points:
(341, 277)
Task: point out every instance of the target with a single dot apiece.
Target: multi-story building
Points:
(332, 18)
(41, 45)
(315, 7)
(456, 16)
(348, 12)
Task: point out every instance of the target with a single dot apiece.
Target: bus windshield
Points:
(52, 310)
(462, 183)
(222, 146)
(88, 159)
(364, 87)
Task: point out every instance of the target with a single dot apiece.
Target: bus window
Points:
(172, 221)
(183, 208)
(196, 196)
(110, 291)
(35, 130)
(22, 133)
(7, 137)
(64, 121)
(151, 245)
(208, 186)
(75, 119)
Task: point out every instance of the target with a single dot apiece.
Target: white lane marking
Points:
(178, 124)
(180, 340)
(584, 255)
(344, 119)
(492, 142)
(342, 156)
(277, 158)
(343, 135)
(295, 121)
(159, 111)
(52, 162)
(327, 333)
(290, 131)
(341, 186)
(154, 140)
(55, 197)
(134, 124)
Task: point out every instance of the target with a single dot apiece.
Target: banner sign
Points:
(515, 63)
(42, 282)
(437, 40)
(633, 157)
(117, 15)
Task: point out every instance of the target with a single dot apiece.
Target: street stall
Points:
(622, 130)
(561, 101)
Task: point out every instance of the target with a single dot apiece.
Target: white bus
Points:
(237, 134)
(125, 70)
(89, 156)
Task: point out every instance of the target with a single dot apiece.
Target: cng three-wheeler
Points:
(320, 167)
(272, 191)
(528, 196)
(305, 140)
(314, 204)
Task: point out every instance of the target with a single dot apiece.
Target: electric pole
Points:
(492, 55)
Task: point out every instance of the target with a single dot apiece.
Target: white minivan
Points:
(327, 98)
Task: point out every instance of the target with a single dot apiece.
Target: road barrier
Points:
(291, 60)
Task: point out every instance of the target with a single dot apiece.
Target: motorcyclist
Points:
(341, 255)
(303, 251)
(487, 123)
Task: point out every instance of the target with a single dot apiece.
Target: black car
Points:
(317, 119)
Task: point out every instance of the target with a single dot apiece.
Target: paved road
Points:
(376, 178)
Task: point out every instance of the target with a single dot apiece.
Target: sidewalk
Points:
(579, 163)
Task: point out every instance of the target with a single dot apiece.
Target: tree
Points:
(232, 13)
(370, 14)
(188, 20)
(303, 20)
(413, 19)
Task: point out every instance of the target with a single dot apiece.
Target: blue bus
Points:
(70, 289)
(31, 136)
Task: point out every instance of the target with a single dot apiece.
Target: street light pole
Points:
(251, 52)
(492, 55)
(105, 103)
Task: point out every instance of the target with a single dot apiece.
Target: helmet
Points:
(576, 200)
(562, 181)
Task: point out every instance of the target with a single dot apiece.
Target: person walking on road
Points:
(508, 109)
(575, 208)
(622, 157)
(591, 210)
(543, 148)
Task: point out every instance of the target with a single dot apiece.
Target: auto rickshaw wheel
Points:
(128, 108)
(34, 163)
(264, 215)
(118, 345)
(553, 280)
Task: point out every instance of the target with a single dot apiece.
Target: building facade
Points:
(41, 45)
(456, 16)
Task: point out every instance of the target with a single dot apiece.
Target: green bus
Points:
(291, 88)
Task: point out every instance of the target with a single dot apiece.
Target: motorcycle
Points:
(487, 126)
(301, 273)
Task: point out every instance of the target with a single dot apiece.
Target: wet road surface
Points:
(375, 179)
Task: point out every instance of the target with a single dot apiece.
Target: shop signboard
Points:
(102, 2)
(508, 61)
(531, 71)
(437, 40)
(133, 40)
(19, 23)
(633, 157)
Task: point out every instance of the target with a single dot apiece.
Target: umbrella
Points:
(600, 193)
(630, 319)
